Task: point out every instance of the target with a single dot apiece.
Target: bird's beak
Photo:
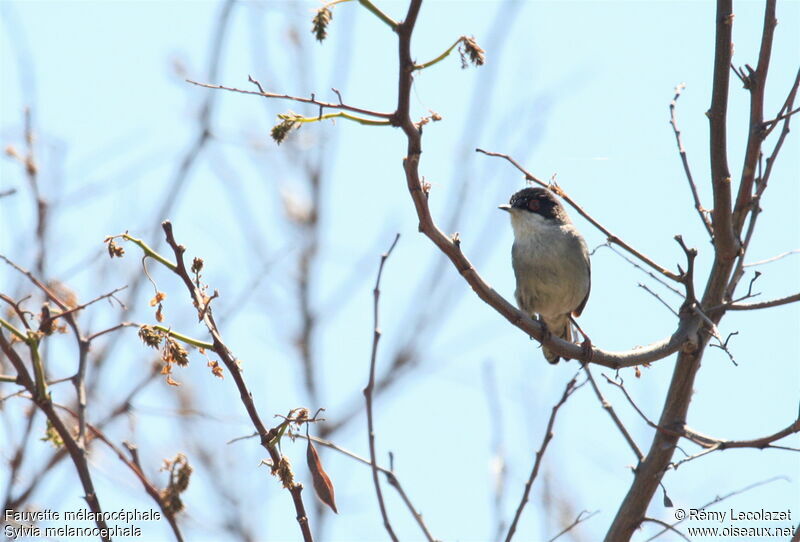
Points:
(505, 207)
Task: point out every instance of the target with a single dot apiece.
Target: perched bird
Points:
(551, 262)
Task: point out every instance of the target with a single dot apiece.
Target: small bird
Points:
(551, 263)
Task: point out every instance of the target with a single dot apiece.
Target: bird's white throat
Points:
(527, 225)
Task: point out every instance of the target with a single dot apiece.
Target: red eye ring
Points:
(533, 205)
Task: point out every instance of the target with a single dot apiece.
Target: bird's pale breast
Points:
(551, 267)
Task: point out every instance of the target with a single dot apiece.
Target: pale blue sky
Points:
(577, 89)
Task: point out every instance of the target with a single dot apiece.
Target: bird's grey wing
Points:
(579, 310)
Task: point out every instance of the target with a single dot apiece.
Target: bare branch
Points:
(136, 468)
(761, 183)
(371, 385)
(673, 120)
(75, 451)
(757, 82)
(711, 443)
(391, 478)
(774, 258)
(15, 305)
(578, 520)
(266, 437)
(610, 410)
(687, 278)
(372, 8)
(204, 131)
(652, 293)
(95, 300)
(760, 442)
(83, 348)
(638, 410)
(719, 499)
(724, 236)
(764, 304)
(312, 101)
(727, 247)
(548, 435)
(770, 123)
(111, 329)
(668, 527)
(675, 464)
(784, 131)
(649, 273)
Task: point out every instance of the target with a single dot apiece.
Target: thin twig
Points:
(673, 120)
(707, 442)
(654, 294)
(391, 478)
(649, 273)
(610, 410)
(95, 300)
(312, 101)
(667, 527)
(83, 348)
(759, 442)
(203, 135)
(42, 206)
(111, 329)
(376, 292)
(761, 182)
(267, 437)
(578, 520)
(687, 278)
(719, 499)
(770, 124)
(16, 461)
(548, 435)
(75, 451)
(756, 85)
(439, 58)
(135, 467)
(774, 258)
(764, 304)
(647, 420)
(15, 305)
(372, 8)
(675, 464)
(713, 330)
(122, 407)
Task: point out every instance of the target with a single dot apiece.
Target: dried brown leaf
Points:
(160, 296)
(216, 369)
(322, 482)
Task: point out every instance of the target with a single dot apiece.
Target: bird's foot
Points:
(547, 336)
(586, 345)
(546, 333)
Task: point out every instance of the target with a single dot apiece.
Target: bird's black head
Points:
(539, 201)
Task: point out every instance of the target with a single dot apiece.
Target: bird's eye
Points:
(533, 205)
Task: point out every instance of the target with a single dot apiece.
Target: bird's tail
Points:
(560, 328)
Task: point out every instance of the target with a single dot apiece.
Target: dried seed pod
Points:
(322, 482)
